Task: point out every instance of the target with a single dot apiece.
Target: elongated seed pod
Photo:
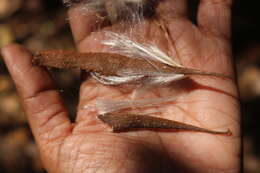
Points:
(125, 122)
(111, 64)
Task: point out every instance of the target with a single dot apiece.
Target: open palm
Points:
(87, 145)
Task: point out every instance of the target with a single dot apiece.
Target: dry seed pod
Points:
(111, 65)
(128, 63)
(125, 122)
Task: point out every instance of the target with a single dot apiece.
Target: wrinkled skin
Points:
(209, 102)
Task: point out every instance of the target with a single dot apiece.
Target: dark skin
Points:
(88, 146)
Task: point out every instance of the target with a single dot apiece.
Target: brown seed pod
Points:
(110, 64)
(125, 122)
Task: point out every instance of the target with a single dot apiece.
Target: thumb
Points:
(43, 105)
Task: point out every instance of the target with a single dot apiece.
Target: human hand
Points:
(87, 146)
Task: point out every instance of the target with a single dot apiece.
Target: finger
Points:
(83, 21)
(214, 16)
(43, 106)
(173, 9)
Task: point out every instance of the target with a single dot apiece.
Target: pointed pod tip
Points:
(226, 133)
(229, 133)
(101, 117)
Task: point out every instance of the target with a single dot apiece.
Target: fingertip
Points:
(13, 50)
(214, 16)
(11, 46)
(5, 50)
(29, 79)
(83, 21)
(17, 58)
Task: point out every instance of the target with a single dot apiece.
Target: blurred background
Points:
(43, 24)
